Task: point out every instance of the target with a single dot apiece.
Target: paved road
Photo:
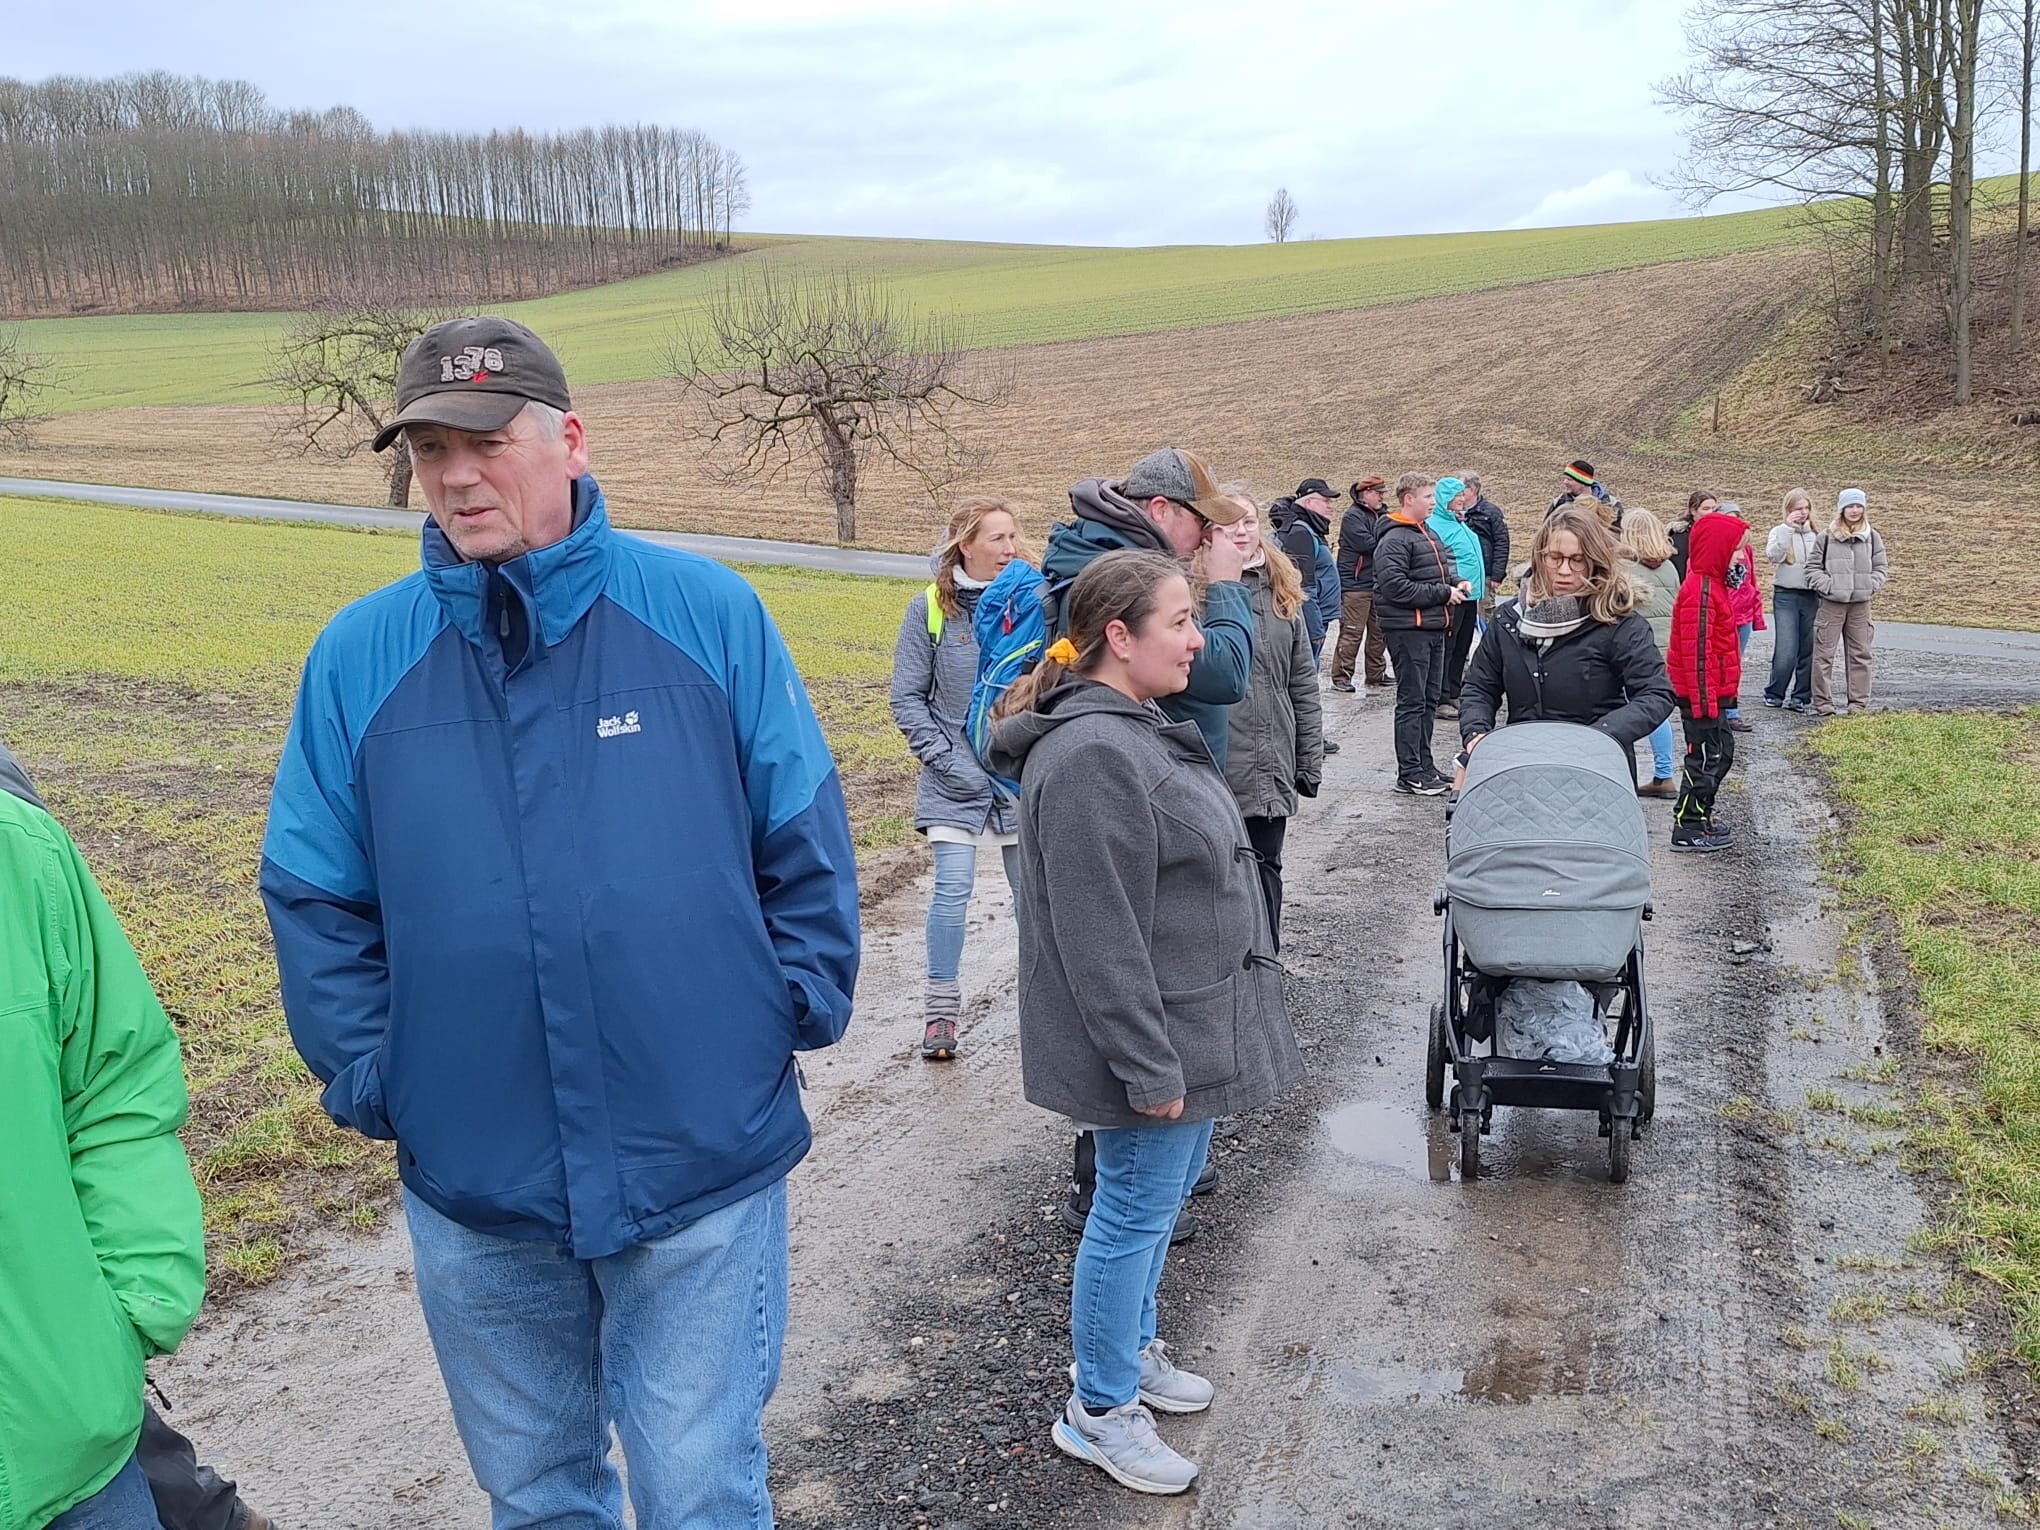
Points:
(1956, 642)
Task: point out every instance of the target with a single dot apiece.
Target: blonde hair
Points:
(1115, 587)
(1610, 594)
(1644, 539)
(1285, 583)
(1840, 528)
(1412, 483)
(1793, 497)
(965, 524)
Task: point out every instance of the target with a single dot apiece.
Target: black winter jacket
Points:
(1413, 578)
(1302, 534)
(1359, 529)
(1492, 527)
(1608, 675)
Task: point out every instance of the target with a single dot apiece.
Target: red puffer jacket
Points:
(1705, 661)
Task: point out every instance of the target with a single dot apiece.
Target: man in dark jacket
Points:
(1168, 503)
(1359, 529)
(1302, 523)
(1415, 585)
(569, 991)
(1577, 481)
(1488, 523)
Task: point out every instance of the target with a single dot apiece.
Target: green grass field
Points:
(146, 676)
(1946, 840)
(1009, 295)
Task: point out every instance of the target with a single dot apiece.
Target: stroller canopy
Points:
(1547, 861)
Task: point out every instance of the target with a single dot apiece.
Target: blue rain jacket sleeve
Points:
(1220, 673)
(320, 896)
(806, 863)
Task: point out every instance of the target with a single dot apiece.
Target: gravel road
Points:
(1742, 1335)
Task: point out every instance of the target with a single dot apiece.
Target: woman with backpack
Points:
(957, 805)
(1151, 998)
(1847, 570)
(1275, 738)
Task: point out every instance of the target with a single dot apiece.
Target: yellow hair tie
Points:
(1063, 651)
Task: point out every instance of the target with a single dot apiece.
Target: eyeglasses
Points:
(1566, 560)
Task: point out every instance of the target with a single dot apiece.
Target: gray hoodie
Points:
(1146, 970)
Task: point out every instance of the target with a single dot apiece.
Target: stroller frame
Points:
(1623, 1092)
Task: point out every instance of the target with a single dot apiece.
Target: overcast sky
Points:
(1079, 121)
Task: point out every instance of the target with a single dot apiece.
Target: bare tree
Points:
(2028, 11)
(27, 378)
(338, 367)
(1962, 40)
(825, 374)
(1281, 216)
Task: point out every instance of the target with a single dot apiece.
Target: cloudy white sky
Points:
(1084, 121)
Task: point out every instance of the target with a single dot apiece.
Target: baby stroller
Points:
(1547, 879)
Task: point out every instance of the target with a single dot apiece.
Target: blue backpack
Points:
(1012, 630)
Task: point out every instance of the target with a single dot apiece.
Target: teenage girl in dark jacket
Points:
(1572, 646)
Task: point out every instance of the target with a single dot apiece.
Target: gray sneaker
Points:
(1165, 1386)
(1123, 1444)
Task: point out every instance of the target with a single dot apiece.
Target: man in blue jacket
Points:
(561, 880)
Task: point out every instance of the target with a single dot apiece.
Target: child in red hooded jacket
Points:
(1705, 663)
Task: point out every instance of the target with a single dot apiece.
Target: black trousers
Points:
(1710, 751)
(1419, 660)
(1458, 647)
(188, 1496)
(1266, 836)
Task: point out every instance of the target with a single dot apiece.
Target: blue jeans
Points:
(1792, 613)
(955, 877)
(123, 1504)
(1742, 645)
(1661, 751)
(676, 1342)
(1144, 1175)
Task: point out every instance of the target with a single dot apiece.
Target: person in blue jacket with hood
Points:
(1448, 524)
(561, 880)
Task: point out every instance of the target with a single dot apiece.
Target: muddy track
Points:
(1742, 1335)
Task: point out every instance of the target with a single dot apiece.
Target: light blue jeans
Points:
(676, 1342)
(1144, 1176)
(955, 877)
(1661, 751)
(1742, 646)
(123, 1504)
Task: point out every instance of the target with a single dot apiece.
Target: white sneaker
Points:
(1123, 1444)
(1165, 1386)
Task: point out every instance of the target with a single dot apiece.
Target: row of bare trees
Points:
(160, 191)
(1879, 104)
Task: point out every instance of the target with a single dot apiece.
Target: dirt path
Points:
(1742, 1335)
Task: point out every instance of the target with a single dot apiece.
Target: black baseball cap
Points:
(1316, 486)
(474, 374)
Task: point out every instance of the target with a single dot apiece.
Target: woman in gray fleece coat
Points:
(1150, 997)
(955, 803)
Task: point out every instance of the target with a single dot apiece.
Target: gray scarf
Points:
(1552, 617)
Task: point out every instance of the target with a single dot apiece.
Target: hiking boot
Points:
(1448, 709)
(1123, 1444)
(1076, 1211)
(941, 1006)
(1422, 787)
(1663, 786)
(1345, 686)
(1697, 837)
(1331, 747)
(938, 1040)
(1770, 703)
(1737, 725)
(1799, 706)
(1207, 1181)
(1165, 1386)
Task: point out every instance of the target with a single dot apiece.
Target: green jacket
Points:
(102, 1259)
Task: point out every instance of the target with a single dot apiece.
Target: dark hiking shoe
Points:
(938, 1041)
(1448, 709)
(1076, 1210)
(1698, 837)
(1799, 706)
(1344, 686)
(1207, 1181)
(1331, 747)
(1422, 787)
(1663, 786)
(1737, 725)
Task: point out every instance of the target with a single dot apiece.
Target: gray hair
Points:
(1470, 478)
(551, 422)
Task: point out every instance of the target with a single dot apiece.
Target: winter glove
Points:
(1307, 786)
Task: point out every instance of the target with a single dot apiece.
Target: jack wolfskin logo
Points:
(472, 365)
(610, 727)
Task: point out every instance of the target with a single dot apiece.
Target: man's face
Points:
(499, 494)
(1371, 498)
(1316, 503)
(1184, 527)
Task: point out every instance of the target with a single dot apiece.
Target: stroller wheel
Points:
(1434, 1060)
(1619, 1134)
(1646, 1081)
(1469, 1144)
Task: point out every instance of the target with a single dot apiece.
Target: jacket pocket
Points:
(1204, 1029)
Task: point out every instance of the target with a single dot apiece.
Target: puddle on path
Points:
(1393, 1137)
(1507, 1370)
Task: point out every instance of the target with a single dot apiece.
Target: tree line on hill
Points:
(160, 191)
(1881, 103)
